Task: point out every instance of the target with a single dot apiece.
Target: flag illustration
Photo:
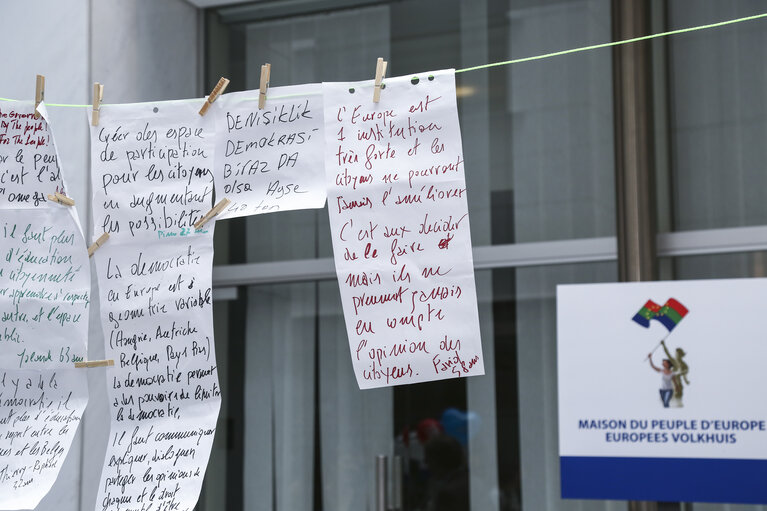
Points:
(669, 314)
(646, 313)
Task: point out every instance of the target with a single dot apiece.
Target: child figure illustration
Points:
(666, 385)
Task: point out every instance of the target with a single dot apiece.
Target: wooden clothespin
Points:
(97, 244)
(214, 94)
(95, 363)
(98, 95)
(266, 71)
(380, 73)
(213, 212)
(39, 93)
(61, 199)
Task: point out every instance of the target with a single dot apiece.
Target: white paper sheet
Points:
(152, 180)
(44, 303)
(29, 164)
(40, 411)
(272, 159)
(400, 227)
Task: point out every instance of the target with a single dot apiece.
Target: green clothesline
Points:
(616, 43)
(547, 55)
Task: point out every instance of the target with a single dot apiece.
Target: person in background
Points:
(449, 483)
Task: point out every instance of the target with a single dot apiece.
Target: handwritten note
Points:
(152, 178)
(44, 303)
(44, 289)
(29, 164)
(400, 227)
(272, 159)
(39, 415)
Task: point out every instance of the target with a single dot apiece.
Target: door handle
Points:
(396, 475)
(381, 482)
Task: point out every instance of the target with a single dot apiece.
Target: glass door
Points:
(298, 434)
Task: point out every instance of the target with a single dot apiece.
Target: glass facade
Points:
(718, 117)
(540, 147)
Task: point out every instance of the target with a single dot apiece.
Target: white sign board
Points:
(687, 423)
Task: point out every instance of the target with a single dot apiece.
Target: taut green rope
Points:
(548, 55)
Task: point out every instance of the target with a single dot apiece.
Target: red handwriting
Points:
(455, 364)
(435, 170)
(344, 205)
(365, 300)
(344, 179)
(29, 168)
(362, 279)
(423, 106)
(364, 327)
(441, 225)
(445, 242)
(377, 372)
(373, 153)
(399, 251)
(429, 271)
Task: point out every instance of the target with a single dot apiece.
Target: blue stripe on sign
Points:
(664, 479)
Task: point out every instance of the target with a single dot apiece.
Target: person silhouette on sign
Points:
(666, 386)
(680, 369)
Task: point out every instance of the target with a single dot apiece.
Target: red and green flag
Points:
(669, 314)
